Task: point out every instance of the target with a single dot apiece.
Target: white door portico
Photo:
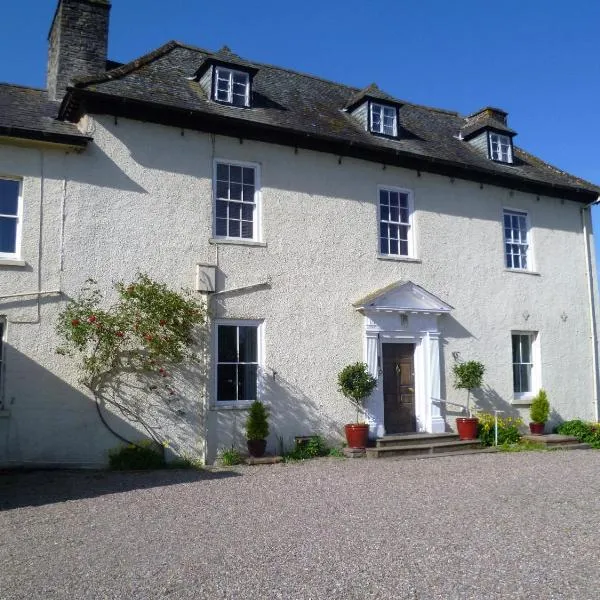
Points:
(404, 313)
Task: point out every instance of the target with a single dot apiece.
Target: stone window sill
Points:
(12, 262)
(230, 406)
(237, 242)
(523, 272)
(399, 258)
(522, 401)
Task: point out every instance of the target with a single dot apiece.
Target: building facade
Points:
(340, 225)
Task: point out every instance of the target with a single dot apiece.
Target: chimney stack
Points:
(77, 43)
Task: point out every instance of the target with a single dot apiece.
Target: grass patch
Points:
(522, 446)
(231, 457)
(314, 447)
(146, 456)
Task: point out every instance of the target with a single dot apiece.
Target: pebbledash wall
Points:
(140, 199)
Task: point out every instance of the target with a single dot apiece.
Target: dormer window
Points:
(384, 119)
(232, 87)
(500, 148)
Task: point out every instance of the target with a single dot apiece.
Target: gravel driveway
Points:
(482, 526)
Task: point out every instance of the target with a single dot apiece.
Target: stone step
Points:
(552, 439)
(414, 439)
(423, 449)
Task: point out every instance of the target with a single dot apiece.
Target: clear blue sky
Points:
(537, 59)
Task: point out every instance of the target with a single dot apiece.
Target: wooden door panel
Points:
(398, 388)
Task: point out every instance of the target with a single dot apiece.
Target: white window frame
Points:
(502, 140)
(16, 255)
(535, 357)
(411, 223)
(383, 108)
(260, 340)
(230, 73)
(257, 228)
(529, 239)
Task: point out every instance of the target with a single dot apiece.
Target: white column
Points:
(374, 404)
(437, 421)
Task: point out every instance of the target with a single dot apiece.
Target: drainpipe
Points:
(586, 214)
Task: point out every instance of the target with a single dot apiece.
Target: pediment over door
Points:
(402, 297)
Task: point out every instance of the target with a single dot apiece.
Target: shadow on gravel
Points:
(36, 488)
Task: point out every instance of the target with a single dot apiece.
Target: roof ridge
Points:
(24, 87)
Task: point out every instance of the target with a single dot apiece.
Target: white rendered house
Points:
(322, 224)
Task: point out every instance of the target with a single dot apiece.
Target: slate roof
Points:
(27, 113)
(469, 129)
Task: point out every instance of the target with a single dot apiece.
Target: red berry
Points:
(162, 322)
(161, 370)
(119, 334)
(92, 319)
(148, 337)
(75, 322)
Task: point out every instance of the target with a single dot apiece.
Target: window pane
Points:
(238, 100)
(221, 209)
(235, 210)
(247, 379)
(403, 231)
(247, 212)
(222, 172)
(235, 174)
(248, 344)
(525, 349)
(385, 213)
(221, 228)
(516, 351)
(227, 342)
(248, 191)
(384, 246)
(394, 232)
(525, 375)
(393, 246)
(247, 230)
(404, 215)
(223, 95)
(394, 214)
(8, 235)
(234, 229)
(226, 382)
(404, 248)
(516, 379)
(235, 191)
(384, 197)
(383, 230)
(394, 199)
(222, 189)
(9, 197)
(248, 175)
(240, 78)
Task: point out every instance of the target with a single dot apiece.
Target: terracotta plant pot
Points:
(357, 435)
(256, 448)
(537, 428)
(467, 427)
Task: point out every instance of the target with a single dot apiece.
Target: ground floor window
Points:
(524, 363)
(238, 360)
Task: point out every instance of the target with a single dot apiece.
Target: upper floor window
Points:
(232, 87)
(384, 119)
(236, 200)
(395, 222)
(238, 354)
(10, 217)
(500, 147)
(516, 240)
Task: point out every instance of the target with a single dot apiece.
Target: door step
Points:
(555, 440)
(414, 439)
(423, 448)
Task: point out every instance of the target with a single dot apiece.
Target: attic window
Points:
(384, 119)
(232, 87)
(500, 148)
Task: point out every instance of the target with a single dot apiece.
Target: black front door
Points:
(399, 388)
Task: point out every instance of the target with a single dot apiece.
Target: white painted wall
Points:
(139, 198)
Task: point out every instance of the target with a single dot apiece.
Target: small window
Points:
(500, 148)
(237, 362)
(516, 240)
(395, 216)
(232, 87)
(524, 368)
(384, 119)
(236, 201)
(10, 218)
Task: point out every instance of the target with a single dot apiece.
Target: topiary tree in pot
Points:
(356, 383)
(257, 429)
(539, 411)
(468, 376)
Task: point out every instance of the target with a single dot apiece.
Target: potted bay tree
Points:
(356, 383)
(539, 411)
(468, 376)
(257, 429)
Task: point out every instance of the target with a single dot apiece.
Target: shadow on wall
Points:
(19, 489)
(52, 423)
(292, 412)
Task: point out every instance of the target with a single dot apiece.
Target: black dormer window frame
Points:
(396, 133)
(510, 153)
(230, 100)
